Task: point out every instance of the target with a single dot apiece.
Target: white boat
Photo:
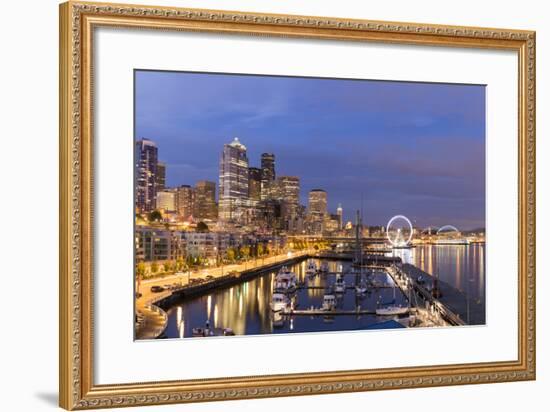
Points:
(203, 332)
(311, 268)
(285, 282)
(339, 284)
(279, 302)
(361, 288)
(329, 302)
(277, 320)
(208, 331)
(324, 267)
(392, 310)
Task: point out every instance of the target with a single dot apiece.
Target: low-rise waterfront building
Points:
(158, 245)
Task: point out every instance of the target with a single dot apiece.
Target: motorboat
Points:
(361, 288)
(203, 332)
(279, 302)
(285, 282)
(311, 268)
(329, 302)
(339, 284)
(277, 320)
(208, 331)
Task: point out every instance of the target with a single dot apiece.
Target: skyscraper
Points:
(268, 174)
(146, 156)
(185, 201)
(233, 182)
(254, 183)
(161, 176)
(288, 189)
(340, 214)
(317, 210)
(317, 203)
(205, 200)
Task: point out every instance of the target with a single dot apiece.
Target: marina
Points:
(341, 297)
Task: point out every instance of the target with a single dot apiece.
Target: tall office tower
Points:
(146, 156)
(340, 214)
(185, 201)
(233, 195)
(161, 176)
(205, 200)
(288, 189)
(254, 183)
(268, 174)
(317, 203)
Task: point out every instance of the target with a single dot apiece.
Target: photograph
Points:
(268, 204)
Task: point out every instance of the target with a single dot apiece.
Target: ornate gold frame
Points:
(76, 386)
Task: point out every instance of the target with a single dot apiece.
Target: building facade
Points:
(158, 245)
(166, 201)
(254, 183)
(340, 215)
(160, 177)
(317, 203)
(146, 158)
(205, 200)
(185, 201)
(233, 196)
(268, 174)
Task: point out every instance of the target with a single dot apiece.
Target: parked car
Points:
(157, 289)
(209, 277)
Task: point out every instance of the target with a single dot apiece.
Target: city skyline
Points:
(435, 180)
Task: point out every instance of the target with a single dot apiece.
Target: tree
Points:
(231, 254)
(202, 227)
(245, 252)
(154, 216)
(260, 250)
(180, 263)
(154, 267)
(140, 270)
(167, 266)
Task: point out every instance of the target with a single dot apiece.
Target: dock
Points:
(452, 300)
(336, 312)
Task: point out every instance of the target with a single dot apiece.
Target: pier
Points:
(454, 303)
(336, 312)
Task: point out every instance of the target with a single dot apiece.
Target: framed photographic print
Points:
(256, 205)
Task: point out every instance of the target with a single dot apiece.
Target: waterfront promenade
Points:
(152, 319)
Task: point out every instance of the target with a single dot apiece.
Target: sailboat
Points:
(361, 285)
(392, 309)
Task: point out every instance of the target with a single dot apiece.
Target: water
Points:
(245, 307)
(461, 266)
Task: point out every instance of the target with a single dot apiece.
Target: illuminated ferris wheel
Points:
(399, 231)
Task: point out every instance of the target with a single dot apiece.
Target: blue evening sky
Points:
(389, 148)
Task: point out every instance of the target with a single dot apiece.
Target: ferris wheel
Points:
(399, 231)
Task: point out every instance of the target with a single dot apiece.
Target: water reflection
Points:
(461, 266)
(245, 308)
